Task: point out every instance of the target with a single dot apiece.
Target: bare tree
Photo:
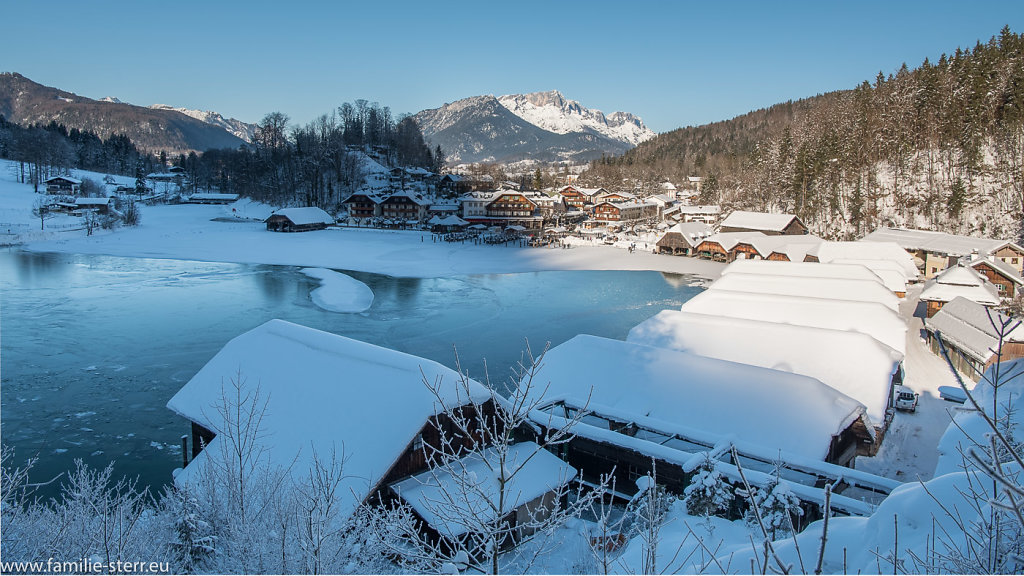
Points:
(482, 434)
(41, 209)
(989, 535)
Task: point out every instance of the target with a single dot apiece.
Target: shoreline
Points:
(200, 233)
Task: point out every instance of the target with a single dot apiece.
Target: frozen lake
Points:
(92, 347)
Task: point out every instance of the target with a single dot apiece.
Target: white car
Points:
(904, 398)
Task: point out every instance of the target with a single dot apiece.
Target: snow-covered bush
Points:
(777, 506)
(708, 493)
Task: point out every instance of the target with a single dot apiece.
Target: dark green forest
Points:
(939, 146)
(317, 164)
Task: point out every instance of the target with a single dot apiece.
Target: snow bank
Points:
(922, 513)
(338, 292)
(969, 427)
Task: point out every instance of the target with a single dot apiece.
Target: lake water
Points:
(93, 347)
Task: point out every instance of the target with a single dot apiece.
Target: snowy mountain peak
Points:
(238, 128)
(553, 112)
(112, 100)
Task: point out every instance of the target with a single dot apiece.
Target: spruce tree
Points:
(957, 199)
(708, 493)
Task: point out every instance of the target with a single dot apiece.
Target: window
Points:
(417, 443)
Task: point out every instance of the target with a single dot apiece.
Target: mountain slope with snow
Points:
(25, 102)
(552, 112)
(243, 130)
(543, 126)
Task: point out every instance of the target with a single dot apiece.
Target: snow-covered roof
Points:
(703, 398)
(729, 240)
(701, 209)
(305, 215)
(626, 195)
(213, 196)
(452, 220)
(92, 201)
(668, 186)
(938, 242)
(786, 244)
(693, 233)
(452, 508)
(972, 327)
(829, 251)
(892, 274)
(407, 197)
(852, 363)
(834, 288)
(795, 248)
(634, 203)
(800, 269)
(960, 281)
(322, 392)
(758, 221)
(873, 319)
(62, 178)
(369, 196)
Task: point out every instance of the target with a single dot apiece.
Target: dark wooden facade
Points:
(574, 198)
(362, 206)
(608, 212)
(511, 205)
(1007, 287)
(1010, 254)
(966, 364)
(711, 250)
(62, 185)
(282, 223)
(747, 250)
(931, 307)
(402, 207)
(201, 437)
(675, 244)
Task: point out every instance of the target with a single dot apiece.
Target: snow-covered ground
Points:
(909, 451)
(236, 233)
(338, 292)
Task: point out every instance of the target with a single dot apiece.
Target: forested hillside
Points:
(940, 146)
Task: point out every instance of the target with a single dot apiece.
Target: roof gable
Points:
(323, 392)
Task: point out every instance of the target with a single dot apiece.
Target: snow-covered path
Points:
(909, 451)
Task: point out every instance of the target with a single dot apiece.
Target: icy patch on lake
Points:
(338, 292)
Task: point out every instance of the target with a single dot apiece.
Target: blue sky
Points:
(673, 63)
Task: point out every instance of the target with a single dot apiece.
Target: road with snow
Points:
(910, 449)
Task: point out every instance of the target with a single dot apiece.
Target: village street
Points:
(910, 449)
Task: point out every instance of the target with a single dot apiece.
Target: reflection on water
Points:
(275, 287)
(93, 346)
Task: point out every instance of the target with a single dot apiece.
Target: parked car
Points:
(904, 398)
